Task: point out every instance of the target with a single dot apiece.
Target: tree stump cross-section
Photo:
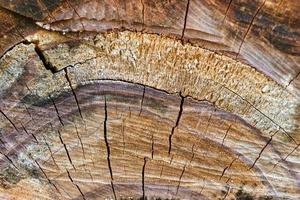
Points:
(149, 99)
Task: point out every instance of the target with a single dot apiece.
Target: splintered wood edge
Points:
(254, 103)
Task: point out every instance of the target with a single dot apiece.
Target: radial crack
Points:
(47, 64)
(143, 177)
(123, 135)
(24, 129)
(185, 19)
(142, 100)
(152, 147)
(77, 186)
(177, 122)
(183, 170)
(293, 79)
(81, 144)
(285, 158)
(227, 192)
(269, 141)
(51, 153)
(107, 147)
(10, 160)
(66, 149)
(29, 134)
(249, 27)
(56, 110)
(2, 142)
(227, 10)
(208, 121)
(15, 127)
(193, 153)
(291, 152)
(49, 181)
(226, 134)
(227, 168)
(26, 108)
(73, 91)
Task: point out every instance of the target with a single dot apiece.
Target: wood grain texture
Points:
(149, 99)
(262, 33)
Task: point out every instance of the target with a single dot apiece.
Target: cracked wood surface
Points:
(262, 33)
(126, 114)
(100, 124)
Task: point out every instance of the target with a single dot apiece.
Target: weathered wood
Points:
(263, 33)
(91, 111)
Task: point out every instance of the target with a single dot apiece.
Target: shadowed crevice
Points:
(227, 168)
(44, 173)
(10, 160)
(56, 110)
(47, 64)
(176, 124)
(73, 91)
(142, 100)
(107, 147)
(10, 121)
(183, 170)
(77, 186)
(143, 177)
(66, 149)
(262, 150)
(34, 137)
(51, 153)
